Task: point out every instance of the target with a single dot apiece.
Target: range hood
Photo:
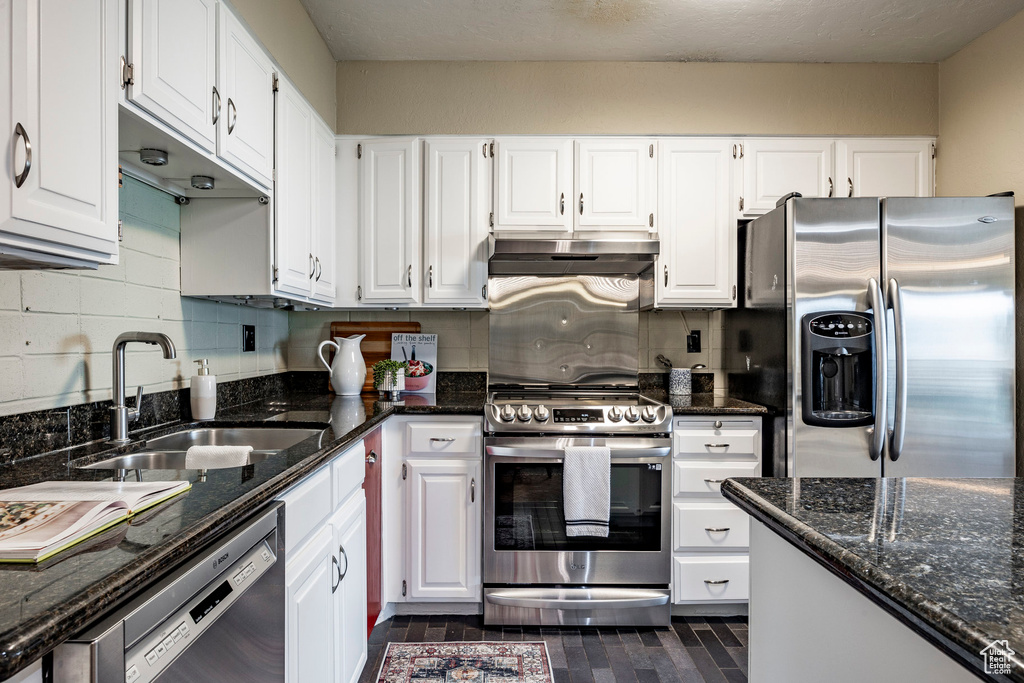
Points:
(540, 254)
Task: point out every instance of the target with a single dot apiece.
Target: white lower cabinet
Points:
(710, 535)
(325, 573)
(443, 504)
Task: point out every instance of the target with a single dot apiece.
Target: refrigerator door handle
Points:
(878, 432)
(899, 425)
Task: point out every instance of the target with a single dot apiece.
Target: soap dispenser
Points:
(204, 392)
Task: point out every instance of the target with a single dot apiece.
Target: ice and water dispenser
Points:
(838, 369)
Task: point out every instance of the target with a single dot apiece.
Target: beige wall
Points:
(636, 98)
(981, 142)
(288, 33)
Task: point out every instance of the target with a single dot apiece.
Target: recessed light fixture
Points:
(202, 182)
(153, 157)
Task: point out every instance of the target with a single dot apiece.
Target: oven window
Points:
(528, 513)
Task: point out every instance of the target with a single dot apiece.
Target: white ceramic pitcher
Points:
(349, 370)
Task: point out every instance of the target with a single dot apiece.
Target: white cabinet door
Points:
(457, 206)
(533, 184)
(615, 184)
(349, 525)
(696, 266)
(173, 48)
(293, 192)
(774, 167)
(390, 222)
(245, 135)
(894, 167)
(311, 576)
(324, 226)
(62, 104)
(443, 503)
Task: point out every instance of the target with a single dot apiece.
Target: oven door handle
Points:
(545, 453)
(607, 598)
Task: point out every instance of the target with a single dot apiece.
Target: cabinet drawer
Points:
(700, 526)
(306, 506)
(347, 472)
(444, 438)
(705, 477)
(727, 443)
(722, 578)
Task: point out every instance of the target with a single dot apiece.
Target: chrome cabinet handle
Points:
(342, 575)
(444, 439)
(337, 573)
(849, 182)
(899, 425)
(716, 445)
(666, 275)
(716, 582)
(561, 204)
(215, 97)
(371, 458)
(20, 131)
(714, 481)
(312, 266)
(319, 269)
(232, 116)
(408, 276)
(716, 529)
(831, 187)
(581, 203)
(430, 276)
(881, 370)
(472, 490)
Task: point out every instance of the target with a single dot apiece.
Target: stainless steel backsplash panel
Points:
(581, 330)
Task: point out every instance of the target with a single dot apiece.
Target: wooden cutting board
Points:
(377, 344)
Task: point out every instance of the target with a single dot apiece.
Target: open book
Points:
(43, 519)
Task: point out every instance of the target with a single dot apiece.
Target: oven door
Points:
(524, 525)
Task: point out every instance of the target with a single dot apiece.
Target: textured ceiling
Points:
(656, 30)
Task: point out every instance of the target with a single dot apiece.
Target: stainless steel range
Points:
(564, 368)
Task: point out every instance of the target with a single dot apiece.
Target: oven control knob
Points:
(524, 413)
(541, 414)
(649, 414)
(508, 413)
(615, 414)
(631, 414)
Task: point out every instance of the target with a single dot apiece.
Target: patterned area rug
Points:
(480, 662)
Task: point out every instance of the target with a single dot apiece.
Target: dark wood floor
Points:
(695, 649)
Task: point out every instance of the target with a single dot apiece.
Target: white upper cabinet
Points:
(533, 184)
(885, 167)
(173, 51)
(58, 110)
(774, 167)
(245, 127)
(457, 207)
(696, 266)
(293, 193)
(323, 206)
(390, 223)
(615, 184)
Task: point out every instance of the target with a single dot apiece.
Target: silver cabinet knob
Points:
(541, 414)
(508, 413)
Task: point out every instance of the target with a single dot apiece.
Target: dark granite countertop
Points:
(945, 556)
(41, 606)
(705, 404)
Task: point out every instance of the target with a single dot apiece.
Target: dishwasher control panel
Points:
(149, 657)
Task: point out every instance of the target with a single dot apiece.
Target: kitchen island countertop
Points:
(942, 555)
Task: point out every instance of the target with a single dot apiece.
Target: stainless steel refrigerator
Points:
(880, 332)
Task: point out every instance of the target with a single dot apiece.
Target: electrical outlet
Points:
(693, 342)
(248, 338)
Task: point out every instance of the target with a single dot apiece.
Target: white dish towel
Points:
(216, 457)
(586, 490)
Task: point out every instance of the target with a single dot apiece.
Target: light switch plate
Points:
(248, 338)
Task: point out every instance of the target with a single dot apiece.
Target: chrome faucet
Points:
(120, 414)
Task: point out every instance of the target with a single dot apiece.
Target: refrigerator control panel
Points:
(840, 326)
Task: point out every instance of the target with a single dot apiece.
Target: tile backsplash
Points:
(57, 327)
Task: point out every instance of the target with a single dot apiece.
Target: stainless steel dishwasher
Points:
(219, 617)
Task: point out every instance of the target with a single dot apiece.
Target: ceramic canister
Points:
(679, 381)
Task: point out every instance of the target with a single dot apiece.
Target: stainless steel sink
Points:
(168, 452)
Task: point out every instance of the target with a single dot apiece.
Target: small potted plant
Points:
(389, 377)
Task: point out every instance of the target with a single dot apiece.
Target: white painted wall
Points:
(57, 328)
